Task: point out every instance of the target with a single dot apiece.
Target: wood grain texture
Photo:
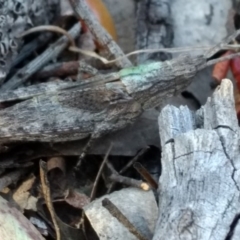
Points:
(199, 186)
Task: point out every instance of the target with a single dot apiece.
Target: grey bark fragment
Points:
(154, 28)
(16, 16)
(199, 186)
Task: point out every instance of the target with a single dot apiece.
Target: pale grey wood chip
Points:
(200, 182)
(173, 120)
(137, 205)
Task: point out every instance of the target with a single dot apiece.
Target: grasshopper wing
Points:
(68, 115)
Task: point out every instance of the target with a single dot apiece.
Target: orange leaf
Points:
(220, 69)
(103, 16)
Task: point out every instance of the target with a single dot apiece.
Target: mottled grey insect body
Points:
(71, 111)
(67, 116)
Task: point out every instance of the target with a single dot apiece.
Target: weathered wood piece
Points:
(138, 206)
(199, 187)
(154, 29)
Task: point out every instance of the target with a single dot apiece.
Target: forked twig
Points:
(127, 166)
(115, 177)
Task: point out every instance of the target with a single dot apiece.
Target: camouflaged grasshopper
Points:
(60, 112)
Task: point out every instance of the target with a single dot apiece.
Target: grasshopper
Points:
(60, 112)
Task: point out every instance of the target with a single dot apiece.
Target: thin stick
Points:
(167, 50)
(47, 197)
(132, 161)
(74, 48)
(52, 52)
(115, 212)
(127, 166)
(146, 175)
(30, 47)
(93, 193)
(83, 154)
(59, 69)
(129, 181)
(111, 168)
(84, 13)
(221, 59)
(51, 28)
(64, 69)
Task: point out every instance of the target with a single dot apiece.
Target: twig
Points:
(49, 28)
(136, 158)
(83, 154)
(115, 212)
(92, 54)
(126, 167)
(93, 193)
(72, 46)
(52, 52)
(222, 59)
(129, 181)
(47, 197)
(111, 168)
(64, 69)
(125, 180)
(83, 12)
(30, 47)
(60, 69)
(146, 175)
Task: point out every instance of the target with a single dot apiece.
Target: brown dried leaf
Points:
(23, 197)
(77, 199)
